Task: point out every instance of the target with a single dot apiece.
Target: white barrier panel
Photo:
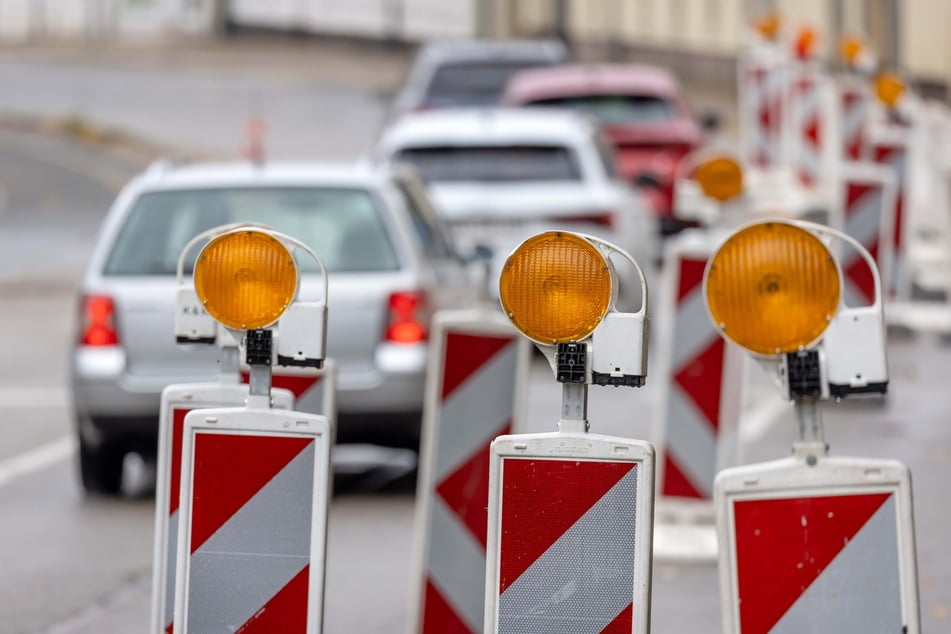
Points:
(864, 200)
(570, 534)
(854, 107)
(252, 533)
(315, 391)
(823, 546)
(177, 401)
(764, 95)
(810, 139)
(889, 145)
(474, 392)
(701, 385)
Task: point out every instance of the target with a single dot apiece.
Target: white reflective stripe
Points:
(586, 578)
(693, 330)
(860, 590)
(863, 222)
(690, 441)
(476, 410)
(457, 565)
(265, 544)
(853, 117)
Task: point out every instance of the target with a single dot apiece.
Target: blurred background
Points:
(93, 91)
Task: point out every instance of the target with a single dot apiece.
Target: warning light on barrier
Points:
(805, 44)
(889, 88)
(556, 287)
(246, 279)
(772, 288)
(850, 48)
(768, 25)
(720, 178)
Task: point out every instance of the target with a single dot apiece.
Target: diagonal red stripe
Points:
(675, 483)
(541, 499)
(466, 490)
(691, 276)
(175, 463)
(701, 379)
(623, 623)
(782, 546)
(297, 384)
(229, 470)
(438, 615)
(465, 354)
(861, 275)
(855, 192)
(286, 611)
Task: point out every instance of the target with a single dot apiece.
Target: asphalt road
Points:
(72, 564)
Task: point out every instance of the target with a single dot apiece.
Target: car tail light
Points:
(98, 321)
(407, 314)
(603, 219)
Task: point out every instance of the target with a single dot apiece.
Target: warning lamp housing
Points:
(246, 279)
(889, 88)
(775, 289)
(560, 290)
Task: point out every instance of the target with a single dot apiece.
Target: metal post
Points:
(574, 407)
(228, 365)
(810, 437)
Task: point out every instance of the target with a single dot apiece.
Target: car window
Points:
(342, 226)
(510, 163)
(607, 156)
(472, 84)
(616, 109)
(427, 226)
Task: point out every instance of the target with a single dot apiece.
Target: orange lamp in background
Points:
(768, 25)
(805, 43)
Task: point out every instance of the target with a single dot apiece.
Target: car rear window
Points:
(471, 84)
(617, 109)
(343, 226)
(493, 163)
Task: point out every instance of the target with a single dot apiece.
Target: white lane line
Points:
(33, 398)
(36, 459)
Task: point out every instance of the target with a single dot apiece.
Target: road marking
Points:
(33, 398)
(36, 459)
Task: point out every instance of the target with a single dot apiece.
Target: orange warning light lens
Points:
(246, 278)
(720, 178)
(889, 88)
(805, 45)
(772, 288)
(850, 47)
(556, 287)
(768, 25)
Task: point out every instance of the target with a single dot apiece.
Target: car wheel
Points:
(100, 467)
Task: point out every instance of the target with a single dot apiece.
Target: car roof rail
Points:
(162, 166)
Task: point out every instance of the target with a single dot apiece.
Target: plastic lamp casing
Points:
(772, 288)
(246, 279)
(557, 287)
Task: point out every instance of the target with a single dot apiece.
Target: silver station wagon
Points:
(390, 267)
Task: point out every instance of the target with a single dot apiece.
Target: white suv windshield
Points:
(493, 163)
(342, 226)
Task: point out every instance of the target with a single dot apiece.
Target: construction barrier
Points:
(177, 401)
(890, 146)
(255, 486)
(854, 107)
(809, 125)
(764, 96)
(474, 392)
(810, 547)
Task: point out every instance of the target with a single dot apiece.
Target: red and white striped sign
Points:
(477, 372)
(764, 87)
(570, 534)
(253, 518)
(854, 106)
(889, 147)
(866, 196)
(828, 547)
(808, 125)
(701, 385)
(177, 401)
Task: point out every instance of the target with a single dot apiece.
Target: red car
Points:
(641, 111)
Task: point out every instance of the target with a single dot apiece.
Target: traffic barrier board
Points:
(474, 393)
(176, 402)
(889, 145)
(866, 194)
(854, 107)
(570, 534)
(764, 95)
(809, 126)
(314, 391)
(255, 485)
(823, 546)
(701, 389)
